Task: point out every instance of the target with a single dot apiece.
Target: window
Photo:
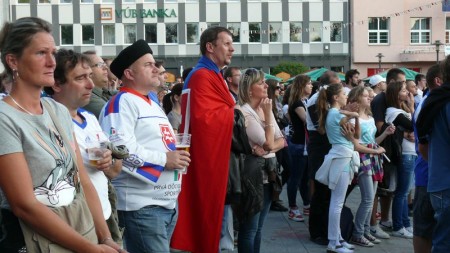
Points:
(87, 34)
(254, 33)
(128, 1)
(379, 31)
(447, 30)
(420, 30)
(65, 1)
(149, 1)
(150, 33)
(108, 1)
(338, 69)
(235, 29)
(315, 32)
(192, 33)
(66, 34)
(295, 32)
(87, 1)
(44, 1)
(109, 34)
(24, 1)
(336, 32)
(208, 25)
(129, 34)
(275, 32)
(171, 33)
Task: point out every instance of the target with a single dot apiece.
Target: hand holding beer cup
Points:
(96, 149)
(179, 159)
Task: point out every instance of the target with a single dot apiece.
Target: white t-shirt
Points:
(90, 129)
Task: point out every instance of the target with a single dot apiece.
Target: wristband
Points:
(105, 240)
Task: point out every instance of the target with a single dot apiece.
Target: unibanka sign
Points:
(107, 13)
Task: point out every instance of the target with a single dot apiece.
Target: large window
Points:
(23, 1)
(275, 34)
(87, 32)
(295, 32)
(192, 33)
(336, 32)
(447, 30)
(420, 30)
(109, 34)
(150, 33)
(315, 32)
(129, 33)
(235, 29)
(66, 34)
(378, 31)
(254, 32)
(171, 33)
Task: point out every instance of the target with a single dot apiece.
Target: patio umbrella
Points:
(409, 74)
(315, 74)
(269, 76)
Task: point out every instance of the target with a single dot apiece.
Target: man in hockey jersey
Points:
(149, 184)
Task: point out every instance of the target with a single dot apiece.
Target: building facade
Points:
(265, 32)
(404, 32)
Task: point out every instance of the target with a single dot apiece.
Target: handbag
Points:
(239, 142)
(77, 214)
(389, 182)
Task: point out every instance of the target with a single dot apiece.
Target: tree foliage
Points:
(292, 68)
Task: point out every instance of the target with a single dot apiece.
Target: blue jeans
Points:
(441, 205)
(147, 230)
(362, 218)
(298, 179)
(249, 237)
(405, 173)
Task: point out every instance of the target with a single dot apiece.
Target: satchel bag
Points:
(77, 214)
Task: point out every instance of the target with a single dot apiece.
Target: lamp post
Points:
(379, 55)
(438, 44)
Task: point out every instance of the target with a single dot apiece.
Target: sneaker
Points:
(361, 241)
(378, 232)
(386, 225)
(403, 233)
(306, 210)
(410, 229)
(277, 206)
(372, 238)
(338, 249)
(295, 215)
(347, 245)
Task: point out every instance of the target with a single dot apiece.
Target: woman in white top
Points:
(265, 138)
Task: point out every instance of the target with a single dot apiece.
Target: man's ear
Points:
(128, 73)
(210, 47)
(57, 87)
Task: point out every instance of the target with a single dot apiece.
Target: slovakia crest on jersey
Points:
(167, 136)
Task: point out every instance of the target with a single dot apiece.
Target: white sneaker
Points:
(410, 229)
(338, 249)
(295, 215)
(378, 232)
(347, 245)
(402, 233)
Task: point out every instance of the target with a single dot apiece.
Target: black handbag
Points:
(239, 142)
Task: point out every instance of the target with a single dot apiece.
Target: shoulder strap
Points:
(61, 131)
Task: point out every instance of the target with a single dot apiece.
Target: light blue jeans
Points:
(367, 188)
(147, 230)
(405, 172)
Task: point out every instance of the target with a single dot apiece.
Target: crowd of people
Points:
(90, 149)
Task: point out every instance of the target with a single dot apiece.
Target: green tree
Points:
(292, 68)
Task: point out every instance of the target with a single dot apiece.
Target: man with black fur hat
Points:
(149, 184)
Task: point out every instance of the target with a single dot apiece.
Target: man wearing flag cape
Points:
(208, 114)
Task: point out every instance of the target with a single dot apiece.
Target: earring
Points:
(15, 74)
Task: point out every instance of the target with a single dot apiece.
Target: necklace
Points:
(15, 102)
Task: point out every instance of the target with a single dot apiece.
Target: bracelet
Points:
(268, 125)
(106, 239)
